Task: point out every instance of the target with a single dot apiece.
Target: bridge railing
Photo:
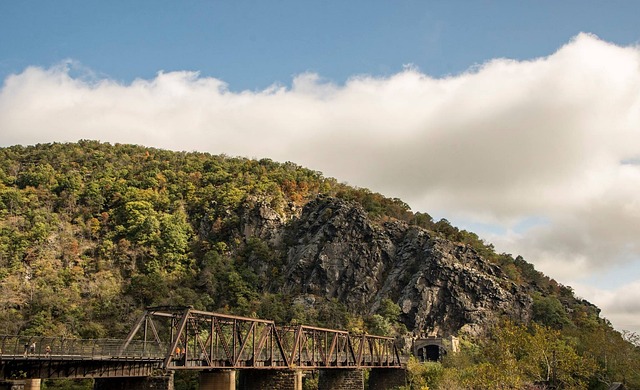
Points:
(59, 347)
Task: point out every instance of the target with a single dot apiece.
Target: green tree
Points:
(549, 311)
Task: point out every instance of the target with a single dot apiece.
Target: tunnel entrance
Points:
(432, 353)
(433, 349)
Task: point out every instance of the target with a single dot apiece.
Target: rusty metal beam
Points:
(230, 342)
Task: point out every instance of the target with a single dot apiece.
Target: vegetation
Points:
(516, 356)
(91, 233)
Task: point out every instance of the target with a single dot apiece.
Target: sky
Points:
(519, 121)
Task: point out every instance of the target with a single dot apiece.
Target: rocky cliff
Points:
(332, 249)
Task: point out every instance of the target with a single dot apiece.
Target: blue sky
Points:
(253, 44)
(518, 120)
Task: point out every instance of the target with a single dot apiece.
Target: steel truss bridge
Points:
(181, 338)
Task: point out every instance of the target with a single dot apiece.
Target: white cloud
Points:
(554, 139)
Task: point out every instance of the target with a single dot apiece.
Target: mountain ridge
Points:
(91, 233)
(136, 208)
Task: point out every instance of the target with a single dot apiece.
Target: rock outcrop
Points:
(333, 250)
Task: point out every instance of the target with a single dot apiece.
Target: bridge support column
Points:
(340, 379)
(164, 382)
(271, 379)
(387, 378)
(32, 384)
(218, 380)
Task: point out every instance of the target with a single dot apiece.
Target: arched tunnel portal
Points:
(431, 349)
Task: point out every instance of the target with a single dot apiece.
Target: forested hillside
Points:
(91, 233)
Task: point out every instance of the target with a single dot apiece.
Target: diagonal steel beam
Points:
(243, 343)
(132, 333)
(174, 343)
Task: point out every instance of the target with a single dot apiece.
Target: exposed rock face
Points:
(259, 219)
(334, 250)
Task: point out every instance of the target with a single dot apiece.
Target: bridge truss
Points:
(196, 340)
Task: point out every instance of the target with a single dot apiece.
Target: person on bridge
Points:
(47, 351)
(32, 348)
(26, 349)
(178, 358)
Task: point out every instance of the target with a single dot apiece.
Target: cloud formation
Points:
(548, 150)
